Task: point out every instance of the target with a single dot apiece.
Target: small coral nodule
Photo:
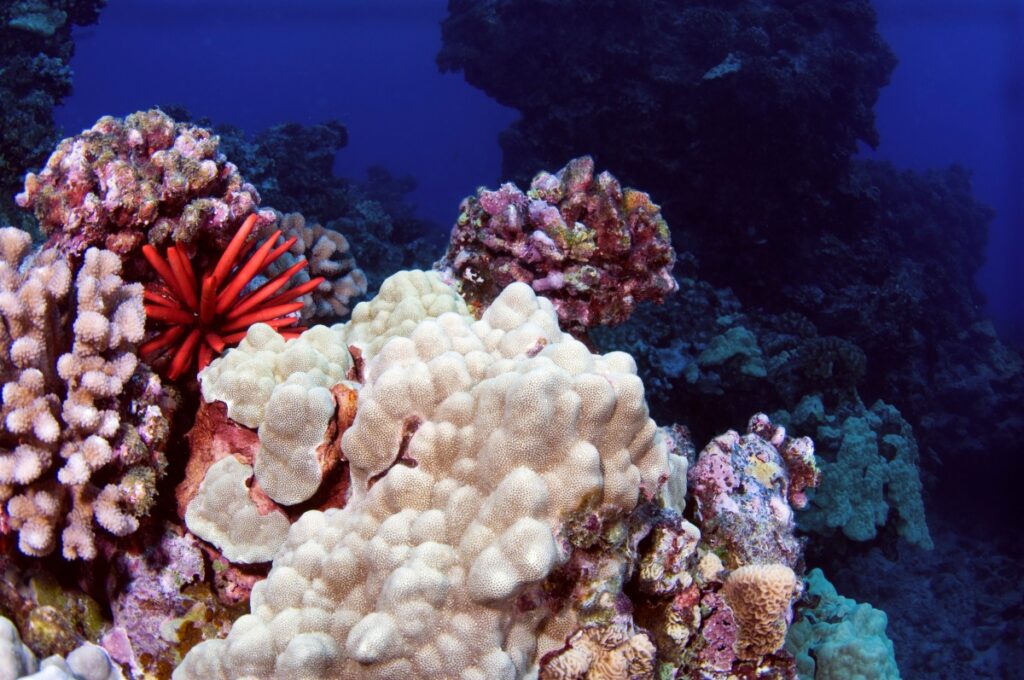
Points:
(204, 316)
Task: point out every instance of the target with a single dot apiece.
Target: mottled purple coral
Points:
(124, 183)
(594, 249)
(743, 487)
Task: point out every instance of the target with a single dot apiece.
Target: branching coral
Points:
(84, 422)
(594, 249)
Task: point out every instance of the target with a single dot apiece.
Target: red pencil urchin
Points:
(205, 315)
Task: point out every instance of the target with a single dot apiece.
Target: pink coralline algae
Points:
(143, 179)
(594, 249)
(744, 487)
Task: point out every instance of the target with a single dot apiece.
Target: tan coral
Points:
(77, 404)
(612, 652)
(329, 256)
(283, 389)
(760, 596)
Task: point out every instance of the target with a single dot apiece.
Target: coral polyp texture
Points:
(143, 179)
(759, 596)
(206, 314)
(594, 249)
(84, 422)
(473, 443)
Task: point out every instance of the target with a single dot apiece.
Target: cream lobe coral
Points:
(283, 390)
(472, 443)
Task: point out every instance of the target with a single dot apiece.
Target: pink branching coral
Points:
(84, 422)
(594, 249)
(144, 179)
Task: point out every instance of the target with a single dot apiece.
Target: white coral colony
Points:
(473, 442)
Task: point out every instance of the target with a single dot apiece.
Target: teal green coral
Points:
(739, 344)
(868, 460)
(840, 639)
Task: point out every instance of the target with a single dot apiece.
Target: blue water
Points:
(957, 96)
(255, 64)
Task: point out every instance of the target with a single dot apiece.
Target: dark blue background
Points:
(957, 96)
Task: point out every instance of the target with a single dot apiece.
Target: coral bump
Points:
(205, 315)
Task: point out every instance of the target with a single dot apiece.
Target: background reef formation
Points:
(742, 121)
(35, 50)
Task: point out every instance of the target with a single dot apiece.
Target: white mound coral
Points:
(473, 443)
(283, 389)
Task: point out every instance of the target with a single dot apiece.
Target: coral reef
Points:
(384, 232)
(459, 508)
(145, 179)
(743, 487)
(716, 372)
(35, 77)
(594, 249)
(741, 116)
(869, 461)
(85, 423)
(742, 120)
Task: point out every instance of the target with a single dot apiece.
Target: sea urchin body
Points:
(204, 315)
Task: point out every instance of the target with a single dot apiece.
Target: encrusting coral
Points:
(594, 249)
(746, 488)
(77, 403)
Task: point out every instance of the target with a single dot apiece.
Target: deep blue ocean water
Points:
(956, 97)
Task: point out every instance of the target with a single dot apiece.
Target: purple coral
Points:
(124, 183)
(745, 487)
(594, 249)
